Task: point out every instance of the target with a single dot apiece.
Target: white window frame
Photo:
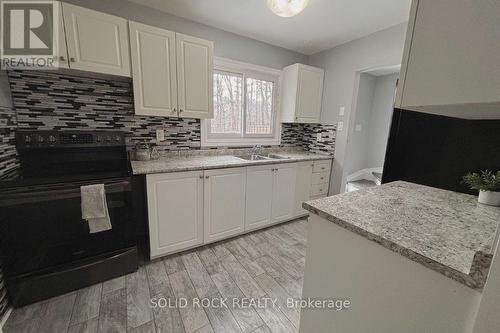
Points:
(248, 71)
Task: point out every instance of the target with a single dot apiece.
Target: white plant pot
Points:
(489, 198)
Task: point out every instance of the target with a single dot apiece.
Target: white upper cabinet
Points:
(96, 41)
(172, 73)
(195, 64)
(302, 94)
(62, 58)
(451, 62)
(154, 70)
(224, 207)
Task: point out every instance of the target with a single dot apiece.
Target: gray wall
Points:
(374, 108)
(227, 44)
(358, 149)
(342, 66)
(380, 119)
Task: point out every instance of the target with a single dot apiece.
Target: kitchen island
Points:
(409, 258)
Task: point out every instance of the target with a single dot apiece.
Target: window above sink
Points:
(246, 106)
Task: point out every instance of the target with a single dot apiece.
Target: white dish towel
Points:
(95, 208)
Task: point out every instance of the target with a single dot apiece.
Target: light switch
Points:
(342, 111)
(160, 135)
(358, 128)
(318, 137)
(340, 126)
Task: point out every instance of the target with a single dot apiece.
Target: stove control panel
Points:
(64, 139)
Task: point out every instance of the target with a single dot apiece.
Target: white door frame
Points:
(387, 69)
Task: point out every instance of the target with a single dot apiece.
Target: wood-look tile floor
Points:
(264, 264)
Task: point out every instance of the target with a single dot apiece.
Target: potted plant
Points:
(488, 185)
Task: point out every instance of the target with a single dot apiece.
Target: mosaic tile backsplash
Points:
(8, 154)
(55, 101)
(51, 101)
(305, 136)
(8, 163)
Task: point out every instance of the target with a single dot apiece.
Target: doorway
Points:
(369, 128)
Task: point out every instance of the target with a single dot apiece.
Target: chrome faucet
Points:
(257, 149)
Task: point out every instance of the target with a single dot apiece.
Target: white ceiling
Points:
(322, 25)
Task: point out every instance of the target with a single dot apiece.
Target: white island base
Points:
(388, 292)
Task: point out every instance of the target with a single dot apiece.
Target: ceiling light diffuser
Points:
(287, 8)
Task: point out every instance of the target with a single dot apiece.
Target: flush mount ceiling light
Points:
(287, 8)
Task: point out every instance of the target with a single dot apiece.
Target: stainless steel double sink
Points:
(256, 157)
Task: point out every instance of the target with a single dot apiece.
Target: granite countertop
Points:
(194, 163)
(446, 231)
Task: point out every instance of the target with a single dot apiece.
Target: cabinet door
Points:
(195, 77)
(284, 192)
(224, 203)
(453, 58)
(175, 208)
(62, 58)
(259, 196)
(303, 186)
(153, 70)
(97, 42)
(309, 94)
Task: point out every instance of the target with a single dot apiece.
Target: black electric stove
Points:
(47, 249)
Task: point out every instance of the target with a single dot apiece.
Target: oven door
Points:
(42, 227)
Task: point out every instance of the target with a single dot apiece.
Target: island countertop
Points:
(207, 162)
(446, 231)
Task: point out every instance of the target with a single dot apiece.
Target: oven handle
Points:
(29, 195)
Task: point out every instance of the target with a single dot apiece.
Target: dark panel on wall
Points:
(437, 151)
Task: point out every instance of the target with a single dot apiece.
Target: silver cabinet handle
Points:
(181, 110)
(206, 177)
(201, 176)
(174, 110)
(62, 58)
(72, 59)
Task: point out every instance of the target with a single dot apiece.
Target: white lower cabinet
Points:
(303, 186)
(175, 206)
(224, 208)
(187, 209)
(259, 196)
(284, 192)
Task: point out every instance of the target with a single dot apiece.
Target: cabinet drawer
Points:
(322, 166)
(320, 178)
(319, 189)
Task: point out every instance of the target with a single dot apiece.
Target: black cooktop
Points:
(52, 157)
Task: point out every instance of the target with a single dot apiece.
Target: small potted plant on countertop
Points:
(488, 185)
